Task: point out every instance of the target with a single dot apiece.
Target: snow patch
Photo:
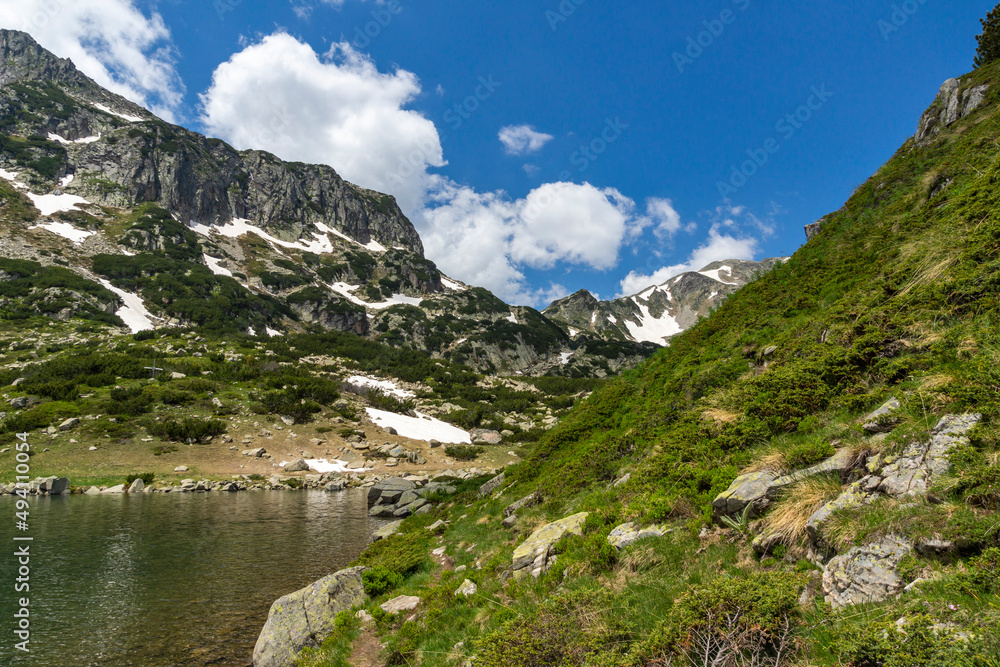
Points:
(131, 119)
(134, 312)
(385, 386)
(214, 266)
(593, 318)
(66, 230)
(345, 290)
(652, 329)
(273, 332)
(49, 204)
(564, 358)
(573, 333)
(452, 285)
(66, 180)
(612, 319)
(512, 318)
(85, 140)
(420, 427)
(715, 274)
(11, 176)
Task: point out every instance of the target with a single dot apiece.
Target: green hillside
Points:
(897, 296)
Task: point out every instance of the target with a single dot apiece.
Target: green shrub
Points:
(919, 640)
(464, 452)
(547, 638)
(186, 429)
(379, 579)
(146, 477)
(808, 453)
(402, 554)
(983, 574)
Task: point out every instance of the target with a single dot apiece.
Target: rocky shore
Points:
(331, 482)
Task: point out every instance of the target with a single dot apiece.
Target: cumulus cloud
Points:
(111, 41)
(279, 95)
(665, 219)
(717, 246)
(488, 239)
(522, 139)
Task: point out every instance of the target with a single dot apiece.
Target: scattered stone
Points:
(19, 402)
(866, 573)
(92, 448)
(177, 376)
(181, 469)
(397, 605)
(136, 486)
(114, 490)
(437, 524)
(392, 431)
(93, 491)
(467, 589)
(435, 444)
(255, 453)
(364, 617)
(305, 618)
(533, 556)
(626, 534)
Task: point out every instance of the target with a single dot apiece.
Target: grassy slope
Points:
(897, 296)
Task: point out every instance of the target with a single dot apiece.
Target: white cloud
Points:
(717, 246)
(279, 95)
(111, 41)
(522, 139)
(486, 239)
(666, 219)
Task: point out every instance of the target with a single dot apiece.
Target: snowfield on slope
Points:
(420, 427)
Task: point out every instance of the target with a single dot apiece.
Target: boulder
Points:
(388, 491)
(467, 589)
(533, 555)
(481, 436)
(387, 530)
(760, 489)
(397, 605)
(136, 486)
(68, 424)
(528, 501)
(255, 453)
(181, 469)
(851, 497)
(865, 574)
(920, 463)
(883, 419)
(492, 485)
(115, 489)
(19, 402)
(298, 465)
(53, 486)
(305, 618)
(626, 534)
(952, 104)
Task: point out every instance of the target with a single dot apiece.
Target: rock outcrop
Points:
(866, 573)
(627, 534)
(535, 554)
(305, 618)
(954, 101)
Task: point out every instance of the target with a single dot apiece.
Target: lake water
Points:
(168, 579)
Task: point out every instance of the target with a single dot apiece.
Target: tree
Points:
(989, 42)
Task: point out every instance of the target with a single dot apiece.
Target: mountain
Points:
(660, 312)
(810, 475)
(112, 215)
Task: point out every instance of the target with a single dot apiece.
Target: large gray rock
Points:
(305, 618)
(883, 419)
(389, 491)
(865, 574)
(626, 534)
(760, 489)
(255, 453)
(532, 557)
(387, 530)
(68, 424)
(951, 105)
(482, 436)
(53, 486)
(920, 463)
(492, 485)
(399, 604)
(136, 486)
(114, 490)
(298, 465)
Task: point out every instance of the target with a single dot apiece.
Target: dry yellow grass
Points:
(788, 519)
(773, 462)
(720, 416)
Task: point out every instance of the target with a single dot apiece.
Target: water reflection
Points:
(171, 579)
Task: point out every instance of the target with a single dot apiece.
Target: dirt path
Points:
(367, 649)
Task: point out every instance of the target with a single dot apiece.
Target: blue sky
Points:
(551, 146)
